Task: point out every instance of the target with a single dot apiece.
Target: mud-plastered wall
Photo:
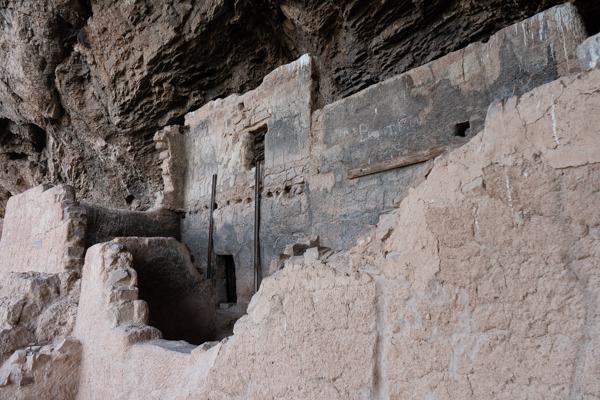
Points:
(44, 231)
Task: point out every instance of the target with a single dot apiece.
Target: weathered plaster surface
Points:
(123, 357)
(44, 231)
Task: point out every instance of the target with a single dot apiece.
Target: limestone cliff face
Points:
(85, 85)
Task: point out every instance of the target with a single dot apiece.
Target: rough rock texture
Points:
(483, 284)
(44, 231)
(86, 84)
(589, 53)
(50, 372)
(36, 308)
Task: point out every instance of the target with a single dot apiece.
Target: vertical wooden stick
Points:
(210, 229)
(257, 226)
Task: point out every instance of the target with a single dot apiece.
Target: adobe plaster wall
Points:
(44, 231)
(123, 357)
(482, 284)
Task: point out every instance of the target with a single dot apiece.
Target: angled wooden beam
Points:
(405, 160)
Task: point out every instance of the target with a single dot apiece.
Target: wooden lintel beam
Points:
(405, 160)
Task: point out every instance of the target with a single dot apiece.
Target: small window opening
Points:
(259, 144)
(462, 129)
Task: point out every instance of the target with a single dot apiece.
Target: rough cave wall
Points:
(86, 84)
(306, 189)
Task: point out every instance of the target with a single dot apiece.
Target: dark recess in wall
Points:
(590, 12)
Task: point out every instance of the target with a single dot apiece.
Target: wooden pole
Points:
(210, 229)
(257, 180)
(403, 161)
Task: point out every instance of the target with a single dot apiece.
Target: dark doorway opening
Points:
(225, 268)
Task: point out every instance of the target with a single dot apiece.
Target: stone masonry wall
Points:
(44, 231)
(308, 152)
(105, 224)
(425, 107)
(123, 357)
(218, 139)
(484, 283)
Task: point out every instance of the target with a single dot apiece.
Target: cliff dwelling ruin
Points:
(347, 200)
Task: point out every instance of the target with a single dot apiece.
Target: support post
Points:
(257, 179)
(210, 229)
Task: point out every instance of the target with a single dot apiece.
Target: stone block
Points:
(141, 312)
(589, 53)
(119, 293)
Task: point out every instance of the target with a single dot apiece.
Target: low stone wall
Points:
(123, 357)
(105, 224)
(38, 360)
(47, 372)
(44, 231)
(36, 308)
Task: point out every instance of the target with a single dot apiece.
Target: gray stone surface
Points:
(589, 52)
(105, 224)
